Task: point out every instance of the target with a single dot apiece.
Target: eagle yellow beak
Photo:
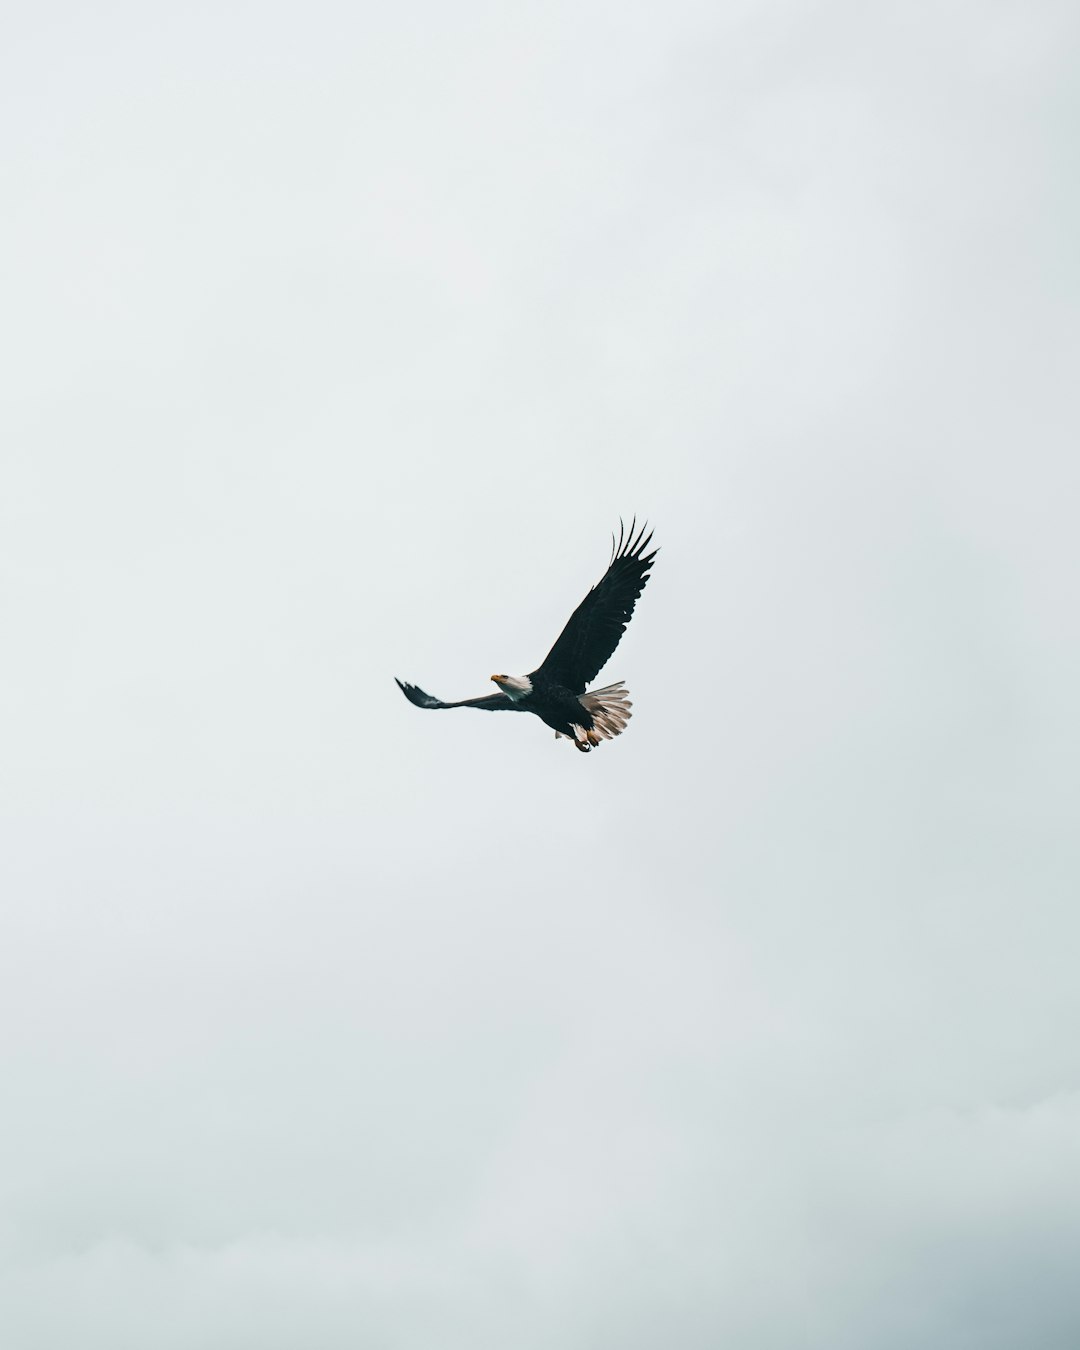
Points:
(497, 678)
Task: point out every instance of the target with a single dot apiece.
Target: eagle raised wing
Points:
(593, 631)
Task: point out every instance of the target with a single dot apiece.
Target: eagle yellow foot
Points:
(584, 740)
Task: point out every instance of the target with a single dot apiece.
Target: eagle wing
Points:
(593, 631)
(490, 702)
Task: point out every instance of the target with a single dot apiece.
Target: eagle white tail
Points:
(610, 709)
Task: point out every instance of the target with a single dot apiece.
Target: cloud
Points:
(338, 343)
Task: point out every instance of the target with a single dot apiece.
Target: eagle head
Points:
(515, 687)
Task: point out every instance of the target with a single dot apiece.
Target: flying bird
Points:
(555, 690)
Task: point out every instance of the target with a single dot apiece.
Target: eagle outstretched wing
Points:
(490, 702)
(593, 631)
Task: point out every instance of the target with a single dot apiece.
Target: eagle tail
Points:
(610, 710)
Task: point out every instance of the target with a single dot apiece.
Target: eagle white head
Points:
(515, 687)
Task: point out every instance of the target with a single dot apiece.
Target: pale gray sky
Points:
(335, 340)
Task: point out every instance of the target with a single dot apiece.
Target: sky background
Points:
(335, 341)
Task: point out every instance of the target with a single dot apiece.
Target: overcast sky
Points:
(335, 340)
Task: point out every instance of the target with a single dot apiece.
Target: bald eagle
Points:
(555, 690)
